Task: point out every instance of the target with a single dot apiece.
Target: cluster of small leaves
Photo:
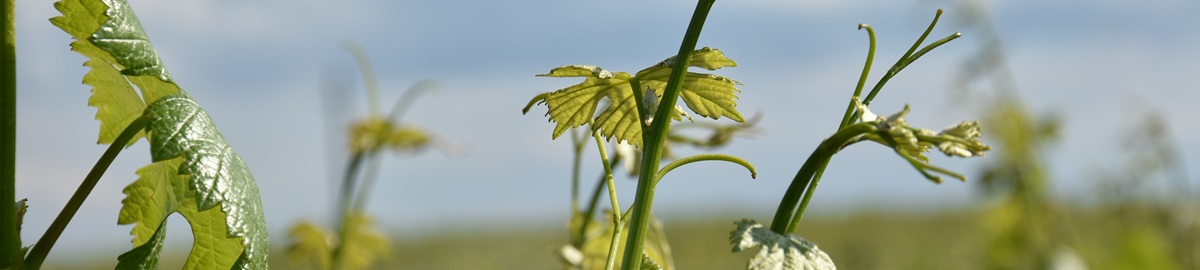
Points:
(195, 172)
(961, 140)
(705, 94)
(374, 133)
(314, 246)
(778, 252)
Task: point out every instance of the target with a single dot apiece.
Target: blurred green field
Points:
(860, 240)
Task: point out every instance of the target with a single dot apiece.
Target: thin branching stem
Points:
(409, 97)
(367, 184)
(345, 209)
(577, 143)
(593, 203)
(654, 138)
(37, 255)
(368, 74)
(612, 197)
(902, 62)
(862, 79)
(10, 236)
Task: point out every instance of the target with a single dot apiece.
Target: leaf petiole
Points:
(702, 157)
(38, 253)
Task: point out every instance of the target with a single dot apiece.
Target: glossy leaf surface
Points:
(195, 172)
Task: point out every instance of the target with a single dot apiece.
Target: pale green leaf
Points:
(708, 95)
(706, 58)
(648, 263)
(311, 246)
(599, 237)
(160, 191)
(364, 245)
(122, 49)
(777, 252)
(144, 256)
(573, 106)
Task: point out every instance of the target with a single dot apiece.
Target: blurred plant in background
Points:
(357, 243)
(1156, 223)
(1026, 228)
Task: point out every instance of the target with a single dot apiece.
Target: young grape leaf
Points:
(179, 127)
(364, 245)
(194, 171)
(310, 246)
(573, 106)
(706, 94)
(160, 191)
(599, 236)
(120, 46)
(778, 252)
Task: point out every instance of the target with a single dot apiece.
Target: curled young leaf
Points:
(778, 252)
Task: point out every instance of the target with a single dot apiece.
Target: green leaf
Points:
(160, 191)
(218, 176)
(573, 106)
(648, 263)
(706, 58)
(312, 245)
(114, 47)
(364, 245)
(145, 256)
(778, 252)
(709, 95)
(599, 237)
(194, 170)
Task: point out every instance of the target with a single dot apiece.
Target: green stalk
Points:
(38, 254)
(368, 73)
(612, 197)
(593, 203)
(903, 62)
(848, 118)
(10, 236)
(345, 204)
(578, 142)
(805, 181)
(654, 138)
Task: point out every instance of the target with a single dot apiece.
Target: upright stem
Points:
(38, 254)
(612, 197)
(788, 215)
(10, 238)
(656, 135)
(577, 142)
(590, 213)
(345, 207)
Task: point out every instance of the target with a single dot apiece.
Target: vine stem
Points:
(805, 181)
(654, 138)
(10, 236)
(38, 254)
(615, 242)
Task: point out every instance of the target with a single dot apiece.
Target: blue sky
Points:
(255, 66)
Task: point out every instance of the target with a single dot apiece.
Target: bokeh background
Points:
(1096, 76)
